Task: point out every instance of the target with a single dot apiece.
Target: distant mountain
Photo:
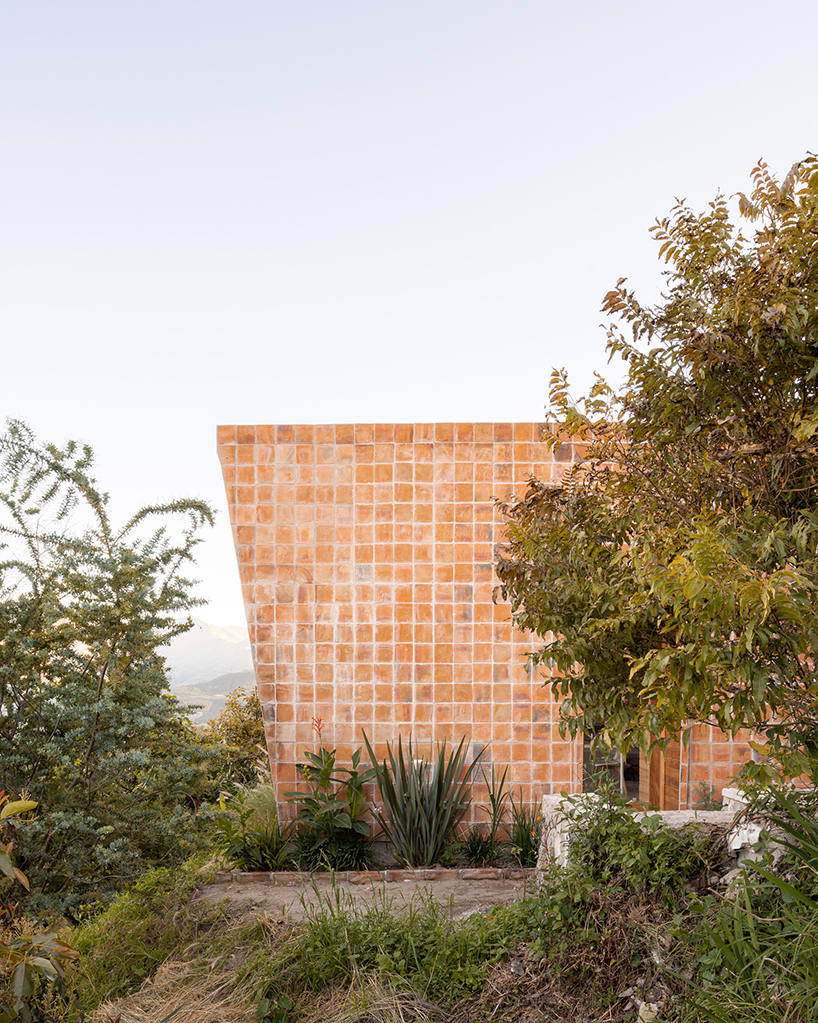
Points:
(206, 652)
(211, 696)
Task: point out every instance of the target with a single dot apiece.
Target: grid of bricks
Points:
(366, 559)
(713, 761)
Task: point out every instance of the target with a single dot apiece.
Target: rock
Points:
(646, 1011)
(517, 967)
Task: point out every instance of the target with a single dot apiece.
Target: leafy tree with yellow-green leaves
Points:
(672, 575)
(88, 727)
(238, 733)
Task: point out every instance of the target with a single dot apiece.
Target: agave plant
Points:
(423, 800)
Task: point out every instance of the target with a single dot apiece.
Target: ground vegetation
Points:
(237, 733)
(615, 936)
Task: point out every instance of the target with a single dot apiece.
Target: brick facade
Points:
(366, 559)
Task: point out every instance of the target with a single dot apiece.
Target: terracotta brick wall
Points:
(366, 558)
(713, 760)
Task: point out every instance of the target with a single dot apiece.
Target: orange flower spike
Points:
(317, 725)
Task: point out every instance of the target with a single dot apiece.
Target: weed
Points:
(479, 848)
(607, 840)
(704, 797)
(138, 931)
(488, 851)
(418, 946)
(337, 850)
(758, 954)
(448, 857)
(275, 1012)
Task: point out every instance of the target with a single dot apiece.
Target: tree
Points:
(88, 727)
(672, 575)
(238, 734)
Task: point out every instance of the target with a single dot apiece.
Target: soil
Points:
(294, 902)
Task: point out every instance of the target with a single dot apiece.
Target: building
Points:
(366, 559)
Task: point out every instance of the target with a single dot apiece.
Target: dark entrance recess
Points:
(602, 763)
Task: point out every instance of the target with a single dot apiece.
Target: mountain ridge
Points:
(206, 652)
(211, 696)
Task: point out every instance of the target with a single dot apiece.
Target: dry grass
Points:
(372, 1002)
(193, 998)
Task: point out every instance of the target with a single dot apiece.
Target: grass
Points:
(419, 946)
(352, 960)
(756, 956)
(155, 919)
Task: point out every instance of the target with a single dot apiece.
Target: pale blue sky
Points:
(342, 211)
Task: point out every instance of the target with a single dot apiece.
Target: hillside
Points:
(211, 696)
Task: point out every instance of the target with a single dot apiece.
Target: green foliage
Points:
(483, 845)
(608, 843)
(525, 832)
(250, 836)
(331, 832)
(593, 938)
(601, 922)
(275, 1012)
(88, 727)
(32, 962)
(420, 946)
(156, 917)
(704, 797)
(238, 734)
(479, 849)
(673, 572)
(758, 954)
(483, 849)
(423, 801)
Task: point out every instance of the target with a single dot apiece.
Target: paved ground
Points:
(462, 897)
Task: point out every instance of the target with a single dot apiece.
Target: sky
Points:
(320, 211)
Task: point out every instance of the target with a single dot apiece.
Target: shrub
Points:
(608, 840)
(331, 832)
(88, 726)
(32, 961)
(238, 735)
(249, 833)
